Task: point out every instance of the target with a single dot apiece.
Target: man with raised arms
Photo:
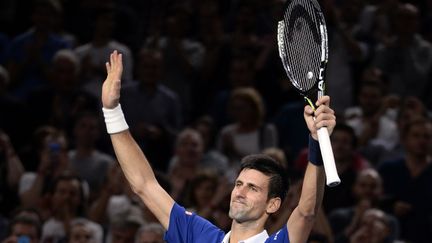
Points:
(259, 189)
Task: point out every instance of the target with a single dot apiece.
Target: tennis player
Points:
(259, 189)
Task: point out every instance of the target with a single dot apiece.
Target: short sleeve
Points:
(187, 227)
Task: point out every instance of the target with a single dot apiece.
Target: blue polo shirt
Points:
(187, 227)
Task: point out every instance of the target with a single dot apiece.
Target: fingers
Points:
(324, 100)
(112, 57)
(325, 118)
(324, 115)
(108, 67)
(115, 60)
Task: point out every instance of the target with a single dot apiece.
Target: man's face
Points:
(67, 194)
(418, 138)
(370, 99)
(81, 234)
(190, 149)
(367, 186)
(29, 230)
(249, 196)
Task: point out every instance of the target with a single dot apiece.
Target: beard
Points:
(238, 212)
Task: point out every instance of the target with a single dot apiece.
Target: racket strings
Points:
(301, 44)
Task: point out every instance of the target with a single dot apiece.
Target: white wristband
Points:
(115, 120)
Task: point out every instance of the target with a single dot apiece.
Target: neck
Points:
(245, 230)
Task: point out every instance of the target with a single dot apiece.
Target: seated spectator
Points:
(368, 193)
(248, 133)
(410, 75)
(49, 154)
(408, 182)
(206, 127)
(150, 233)
(82, 230)
(93, 54)
(66, 200)
(86, 160)
(187, 161)
(206, 192)
(348, 163)
(30, 53)
(374, 226)
(156, 128)
(61, 99)
(24, 227)
(370, 120)
(124, 227)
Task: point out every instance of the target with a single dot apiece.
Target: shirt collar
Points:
(259, 238)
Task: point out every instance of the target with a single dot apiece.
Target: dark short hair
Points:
(27, 220)
(278, 183)
(348, 129)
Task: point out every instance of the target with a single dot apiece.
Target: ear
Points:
(273, 205)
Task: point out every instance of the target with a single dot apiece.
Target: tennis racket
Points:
(303, 49)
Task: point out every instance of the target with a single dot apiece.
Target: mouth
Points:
(238, 202)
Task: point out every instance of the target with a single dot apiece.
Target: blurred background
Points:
(202, 87)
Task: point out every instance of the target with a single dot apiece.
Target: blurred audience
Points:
(211, 88)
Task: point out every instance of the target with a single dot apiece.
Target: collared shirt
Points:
(259, 238)
(187, 227)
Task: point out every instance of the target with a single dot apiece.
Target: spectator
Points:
(150, 233)
(85, 159)
(370, 120)
(66, 200)
(156, 128)
(207, 194)
(50, 154)
(187, 161)
(411, 73)
(124, 227)
(248, 133)
(183, 56)
(93, 54)
(348, 163)
(24, 227)
(82, 230)
(368, 193)
(407, 182)
(58, 102)
(30, 53)
(212, 157)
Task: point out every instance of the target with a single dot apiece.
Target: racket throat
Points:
(309, 101)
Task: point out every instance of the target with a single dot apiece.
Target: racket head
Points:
(303, 45)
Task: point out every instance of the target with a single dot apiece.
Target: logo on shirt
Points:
(188, 213)
(276, 235)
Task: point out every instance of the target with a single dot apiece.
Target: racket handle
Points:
(332, 177)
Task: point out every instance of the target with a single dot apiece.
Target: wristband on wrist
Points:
(314, 154)
(115, 120)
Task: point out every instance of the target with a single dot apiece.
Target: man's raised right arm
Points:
(132, 160)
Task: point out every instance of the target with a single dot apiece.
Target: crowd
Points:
(202, 87)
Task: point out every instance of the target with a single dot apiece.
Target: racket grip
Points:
(332, 177)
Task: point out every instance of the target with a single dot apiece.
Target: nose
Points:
(240, 191)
